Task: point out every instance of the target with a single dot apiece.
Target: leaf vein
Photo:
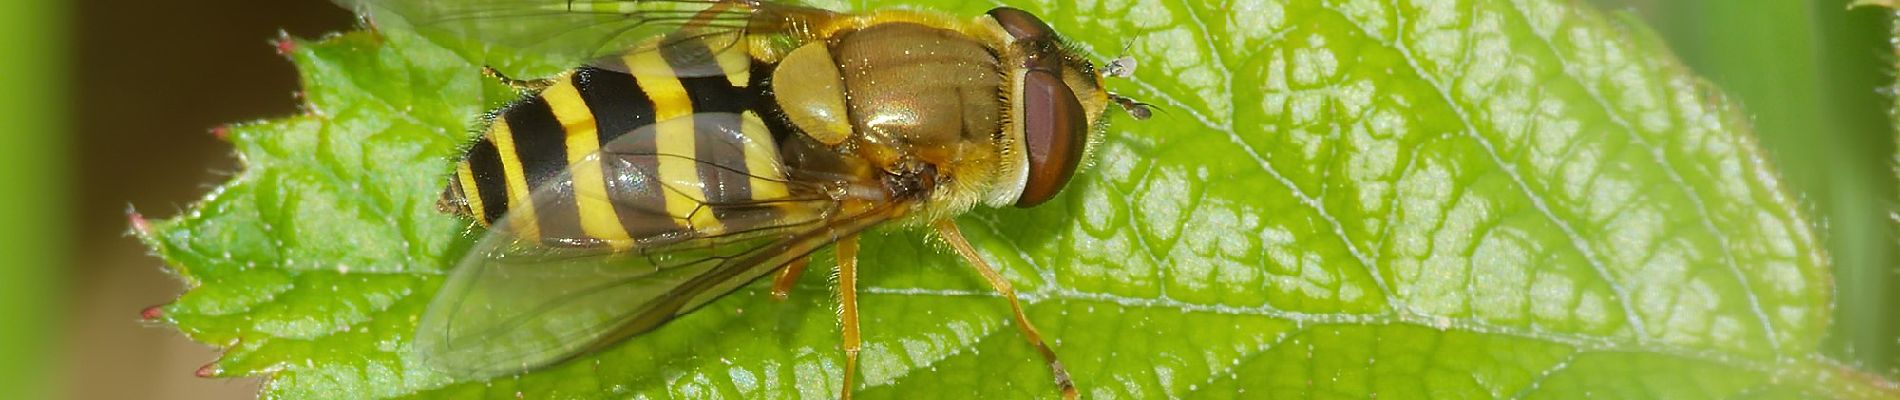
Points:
(1537, 202)
(1338, 229)
(1555, 368)
(1669, 170)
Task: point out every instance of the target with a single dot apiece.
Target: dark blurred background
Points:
(151, 79)
(128, 103)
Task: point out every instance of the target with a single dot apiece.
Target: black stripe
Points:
(721, 162)
(540, 140)
(616, 99)
(718, 138)
(710, 94)
(635, 189)
(765, 106)
(484, 163)
(541, 146)
(624, 117)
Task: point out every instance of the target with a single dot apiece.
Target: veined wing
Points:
(714, 175)
(508, 310)
(651, 224)
(583, 31)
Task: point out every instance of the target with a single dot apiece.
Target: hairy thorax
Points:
(905, 97)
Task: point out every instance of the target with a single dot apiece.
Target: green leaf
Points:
(37, 238)
(1803, 69)
(1344, 199)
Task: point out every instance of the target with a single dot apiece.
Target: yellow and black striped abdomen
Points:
(672, 150)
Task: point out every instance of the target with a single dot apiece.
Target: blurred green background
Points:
(107, 103)
(1815, 77)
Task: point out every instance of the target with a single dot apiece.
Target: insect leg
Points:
(707, 16)
(518, 84)
(948, 230)
(848, 307)
(782, 284)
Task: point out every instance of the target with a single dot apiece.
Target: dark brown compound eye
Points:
(1055, 131)
(1037, 39)
(1054, 125)
(1020, 24)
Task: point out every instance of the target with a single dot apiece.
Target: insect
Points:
(705, 144)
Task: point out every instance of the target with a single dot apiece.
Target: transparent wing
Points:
(510, 311)
(587, 31)
(526, 296)
(708, 176)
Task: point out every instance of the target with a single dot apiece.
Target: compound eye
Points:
(1020, 24)
(1055, 130)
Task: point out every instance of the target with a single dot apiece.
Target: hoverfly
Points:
(704, 144)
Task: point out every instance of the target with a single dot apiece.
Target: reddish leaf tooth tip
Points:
(153, 313)
(285, 45)
(139, 224)
(208, 371)
(222, 132)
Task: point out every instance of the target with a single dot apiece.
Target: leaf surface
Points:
(1343, 199)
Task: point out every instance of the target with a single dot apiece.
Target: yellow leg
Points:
(848, 307)
(782, 284)
(948, 230)
(518, 84)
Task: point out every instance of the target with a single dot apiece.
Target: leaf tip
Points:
(153, 313)
(140, 226)
(222, 132)
(210, 370)
(284, 43)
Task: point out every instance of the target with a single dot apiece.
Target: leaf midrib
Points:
(1305, 322)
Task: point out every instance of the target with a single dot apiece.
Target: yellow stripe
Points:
(733, 60)
(674, 141)
(520, 203)
(570, 109)
(470, 192)
(761, 159)
(597, 216)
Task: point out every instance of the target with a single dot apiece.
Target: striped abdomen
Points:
(672, 150)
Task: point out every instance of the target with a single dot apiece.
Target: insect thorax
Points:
(902, 93)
